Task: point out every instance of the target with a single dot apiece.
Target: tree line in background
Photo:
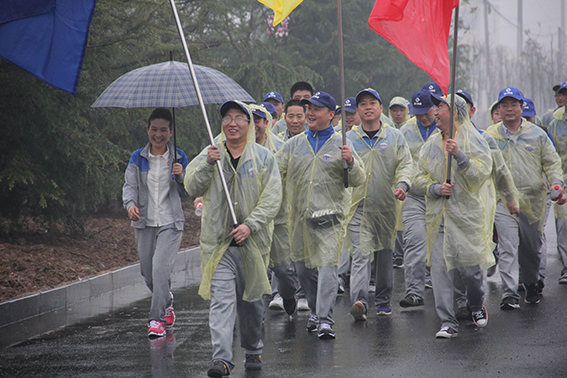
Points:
(61, 160)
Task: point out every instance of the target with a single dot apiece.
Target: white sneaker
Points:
(446, 333)
(302, 305)
(276, 303)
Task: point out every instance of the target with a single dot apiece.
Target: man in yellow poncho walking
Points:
(459, 214)
(234, 260)
(312, 167)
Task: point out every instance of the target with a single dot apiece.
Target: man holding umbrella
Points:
(234, 258)
(152, 195)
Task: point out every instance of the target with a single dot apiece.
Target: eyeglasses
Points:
(238, 120)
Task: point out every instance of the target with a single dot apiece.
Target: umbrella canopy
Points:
(169, 84)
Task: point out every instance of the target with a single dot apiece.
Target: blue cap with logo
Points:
(434, 88)
(421, 102)
(270, 108)
(529, 108)
(274, 95)
(510, 92)
(369, 91)
(350, 105)
(322, 99)
(466, 95)
(232, 104)
(562, 86)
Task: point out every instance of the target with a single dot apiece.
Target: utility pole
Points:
(520, 41)
(487, 81)
(561, 38)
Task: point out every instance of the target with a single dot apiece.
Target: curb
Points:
(46, 311)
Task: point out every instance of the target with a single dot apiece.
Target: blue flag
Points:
(47, 38)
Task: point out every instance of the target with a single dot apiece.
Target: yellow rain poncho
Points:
(255, 188)
(313, 183)
(490, 121)
(468, 214)
(501, 176)
(279, 250)
(400, 101)
(529, 154)
(415, 141)
(387, 163)
(558, 130)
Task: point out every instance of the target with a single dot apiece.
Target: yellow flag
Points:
(282, 8)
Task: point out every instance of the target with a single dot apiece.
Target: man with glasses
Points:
(234, 259)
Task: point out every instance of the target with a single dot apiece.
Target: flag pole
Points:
(452, 87)
(342, 75)
(203, 110)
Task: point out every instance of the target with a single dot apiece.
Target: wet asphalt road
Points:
(529, 342)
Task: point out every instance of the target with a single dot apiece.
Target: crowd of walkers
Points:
(421, 189)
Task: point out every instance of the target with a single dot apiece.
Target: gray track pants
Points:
(561, 226)
(519, 244)
(415, 247)
(320, 287)
(472, 278)
(361, 268)
(158, 248)
(227, 287)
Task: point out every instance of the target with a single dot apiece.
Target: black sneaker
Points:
(532, 294)
(253, 362)
(540, 285)
(411, 300)
(480, 317)
(398, 263)
(290, 305)
(563, 278)
(218, 370)
(341, 289)
(509, 303)
(326, 331)
(312, 323)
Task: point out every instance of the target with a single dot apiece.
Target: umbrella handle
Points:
(203, 109)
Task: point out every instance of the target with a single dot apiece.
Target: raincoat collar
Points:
(318, 138)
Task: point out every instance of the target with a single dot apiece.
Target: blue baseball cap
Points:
(529, 108)
(350, 105)
(421, 102)
(511, 92)
(274, 95)
(562, 86)
(231, 104)
(369, 91)
(260, 113)
(466, 95)
(322, 99)
(434, 88)
(270, 108)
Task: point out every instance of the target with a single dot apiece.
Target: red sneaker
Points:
(169, 313)
(156, 328)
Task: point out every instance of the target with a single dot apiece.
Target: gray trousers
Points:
(415, 246)
(399, 246)
(158, 248)
(472, 278)
(519, 244)
(320, 287)
(561, 226)
(543, 249)
(361, 269)
(227, 287)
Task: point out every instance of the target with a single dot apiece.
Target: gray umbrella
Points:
(169, 84)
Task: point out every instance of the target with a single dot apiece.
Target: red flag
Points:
(420, 30)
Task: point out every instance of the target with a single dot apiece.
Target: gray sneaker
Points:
(358, 311)
(312, 323)
(326, 331)
(446, 333)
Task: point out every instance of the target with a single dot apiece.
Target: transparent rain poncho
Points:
(529, 154)
(558, 131)
(387, 163)
(468, 214)
(415, 141)
(400, 101)
(255, 188)
(279, 251)
(319, 202)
